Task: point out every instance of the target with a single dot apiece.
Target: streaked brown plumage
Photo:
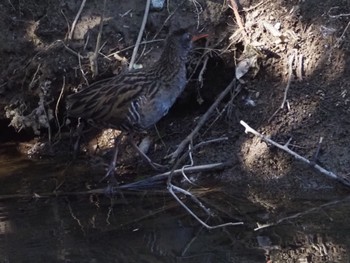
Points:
(136, 100)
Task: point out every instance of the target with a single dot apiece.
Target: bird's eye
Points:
(187, 37)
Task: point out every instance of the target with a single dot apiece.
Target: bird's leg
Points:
(110, 173)
(113, 184)
(79, 132)
(155, 166)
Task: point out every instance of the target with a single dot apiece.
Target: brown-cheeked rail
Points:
(136, 100)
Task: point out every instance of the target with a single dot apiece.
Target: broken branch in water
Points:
(159, 177)
(139, 185)
(171, 189)
(285, 148)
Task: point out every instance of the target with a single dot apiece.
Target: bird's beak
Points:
(200, 36)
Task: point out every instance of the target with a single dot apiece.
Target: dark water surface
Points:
(146, 226)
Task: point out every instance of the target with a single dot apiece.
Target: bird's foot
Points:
(111, 169)
(155, 166)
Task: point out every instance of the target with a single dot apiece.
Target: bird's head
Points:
(183, 38)
(180, 42)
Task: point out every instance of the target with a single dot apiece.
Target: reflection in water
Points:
(147, 226)
(63, 230)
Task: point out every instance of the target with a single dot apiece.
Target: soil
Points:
(40, 67)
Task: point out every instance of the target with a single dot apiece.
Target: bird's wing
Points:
(109, 100)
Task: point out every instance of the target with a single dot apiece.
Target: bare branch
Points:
(201, 122)
(93, 58)
(76, 19)
(297, 156)
(138, 41)
(239, 21)
(289, 80)
(163, 176)
(308, 211)
(171, 188)
(290, 72)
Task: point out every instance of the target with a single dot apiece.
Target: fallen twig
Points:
(57, 104)
(341, 38)
(93, 58)
(138, 41)
(86, 41)
(210, 141)
(34, 79)
(290, 73)
(199, 10)
(168, 18)
(248, 9)
(140, 185)
(289, 80)
(299, 69)
(239, 21)
(148, 182)
(192, 241)
(171, 189)
(188, 165)
(70, 50)
(194, 198)
(285, 148)
(82, 71)
(190, 151)
(308, 211)
(68, 26)
(201, 122)
(132, 46)
(315, 157)
(204, 67)
(338, 15)
(205, 55)
(70, 35)
(227, 108)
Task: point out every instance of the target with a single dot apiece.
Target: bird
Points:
(135, 100)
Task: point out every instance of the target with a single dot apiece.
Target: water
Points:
(148, 226)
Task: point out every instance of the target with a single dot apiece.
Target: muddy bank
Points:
(300, 54)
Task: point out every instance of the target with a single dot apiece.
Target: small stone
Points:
(157, 5)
